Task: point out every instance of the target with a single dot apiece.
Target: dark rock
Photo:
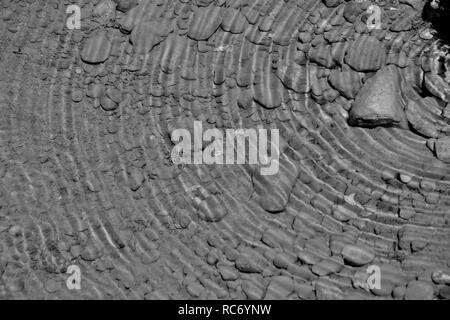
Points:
(365, 54)
(445, 292)
(441, 277)
(97, 48)
(205, 22)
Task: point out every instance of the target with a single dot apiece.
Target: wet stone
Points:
(280, 287)
(365, 54)
(248, 263)
(419, 290)
(442, 147)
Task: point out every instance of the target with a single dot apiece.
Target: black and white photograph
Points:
(225, 155)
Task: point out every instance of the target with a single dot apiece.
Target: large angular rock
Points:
(379, 103)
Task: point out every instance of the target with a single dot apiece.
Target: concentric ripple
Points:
(87, 177)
